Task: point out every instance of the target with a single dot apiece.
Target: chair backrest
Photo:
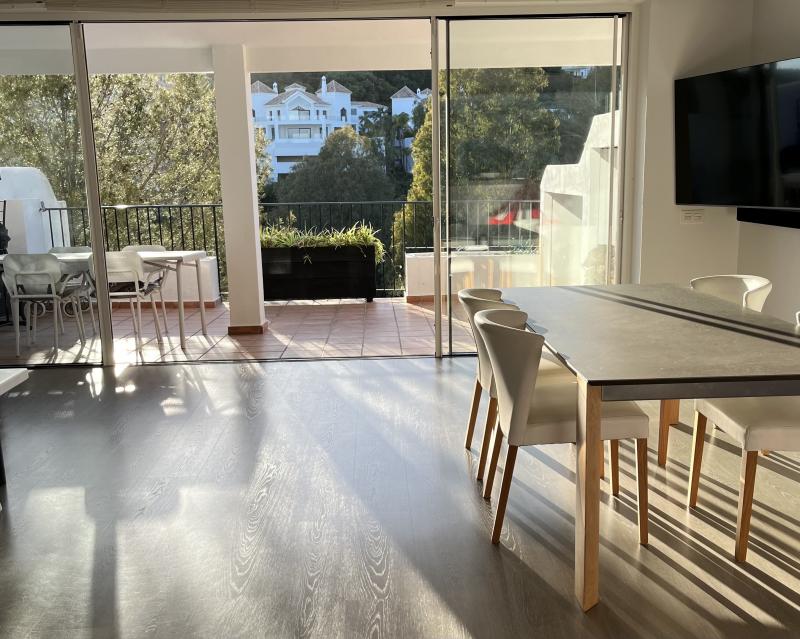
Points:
(70, 249)
(750, 291)
(124, 266)
(31, 273)
(474, 300)
(515, 354)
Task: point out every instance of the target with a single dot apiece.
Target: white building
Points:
(297, 123)
(405, 101)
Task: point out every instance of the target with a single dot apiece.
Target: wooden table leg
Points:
(670, 409)
(587, 496)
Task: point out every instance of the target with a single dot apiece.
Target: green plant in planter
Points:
(286, 236)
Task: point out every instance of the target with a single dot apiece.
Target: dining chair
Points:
(536, 409)
(157, 272)
(128, 279)
(472, 301)
(78, 279)
(36, 280)
(756, 424)
(750, 291)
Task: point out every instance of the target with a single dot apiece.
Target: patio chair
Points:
(127, 279)
(77, 277)
(36, 279)
(157, 274)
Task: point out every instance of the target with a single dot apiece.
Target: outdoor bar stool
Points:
(127, 279)
(474, 300)
(535, 409)
(35, 280)
(157, 274)
(755, 423)
(77, 278)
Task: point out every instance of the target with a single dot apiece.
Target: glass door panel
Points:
(532, 163)
(45, 224)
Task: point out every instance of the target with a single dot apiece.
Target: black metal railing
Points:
(183, 227)
(403, 226)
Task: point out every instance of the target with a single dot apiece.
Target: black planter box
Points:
(318, 273)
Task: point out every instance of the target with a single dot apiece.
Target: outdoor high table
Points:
(650, 342)
(173, 260)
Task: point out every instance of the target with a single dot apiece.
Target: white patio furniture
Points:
(37, 280)
(77, 274)
(128, 279)
(157, 271)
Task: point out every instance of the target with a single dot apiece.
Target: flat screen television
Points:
(737, 137)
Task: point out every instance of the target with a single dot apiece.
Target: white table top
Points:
(69, 258)
(11, 377)
(172, 256)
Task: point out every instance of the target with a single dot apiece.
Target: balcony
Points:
(486, 239)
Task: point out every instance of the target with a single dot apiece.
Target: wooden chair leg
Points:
(488, 480)
(670, 410)
(602, 462)
(500, 512)
(491, 418)
(698, 440)
(747, 480)
(641, 479)
(614, 466)
(473, 414)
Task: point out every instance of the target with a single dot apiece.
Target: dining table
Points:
(650, 342)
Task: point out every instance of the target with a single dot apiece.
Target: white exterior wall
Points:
(677, 38)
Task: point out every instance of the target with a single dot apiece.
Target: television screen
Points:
(737, 137)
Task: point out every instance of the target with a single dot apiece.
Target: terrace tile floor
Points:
(388, 327)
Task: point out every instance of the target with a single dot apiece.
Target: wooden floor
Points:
(335, 499)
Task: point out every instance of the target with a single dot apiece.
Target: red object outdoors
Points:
(507, 217)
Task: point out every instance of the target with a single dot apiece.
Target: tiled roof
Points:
(295, 87)
(405, 92)
(359, 103)
(334, 87)
(284, 97)
(259, 87)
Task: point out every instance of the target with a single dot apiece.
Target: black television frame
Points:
(786, 217)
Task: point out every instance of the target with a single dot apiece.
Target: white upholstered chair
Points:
(750, 291)
(537, 409)
(474, 300)
(756, 424)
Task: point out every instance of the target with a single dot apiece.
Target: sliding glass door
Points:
(532, 129)
(50, 317)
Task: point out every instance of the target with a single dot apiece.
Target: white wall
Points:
(771, 251)
(678, 38)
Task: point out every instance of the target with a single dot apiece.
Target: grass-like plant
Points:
(286, 236)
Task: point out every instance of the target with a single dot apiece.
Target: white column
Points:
(239, 198)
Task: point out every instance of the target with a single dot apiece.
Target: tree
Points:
(156, 136)
(347, 169)
(39, 121)
(387, 134)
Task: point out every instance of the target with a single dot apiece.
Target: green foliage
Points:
(284, 235)
(156, 136)
(347, 169)
(386, 134)
(39, 122)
